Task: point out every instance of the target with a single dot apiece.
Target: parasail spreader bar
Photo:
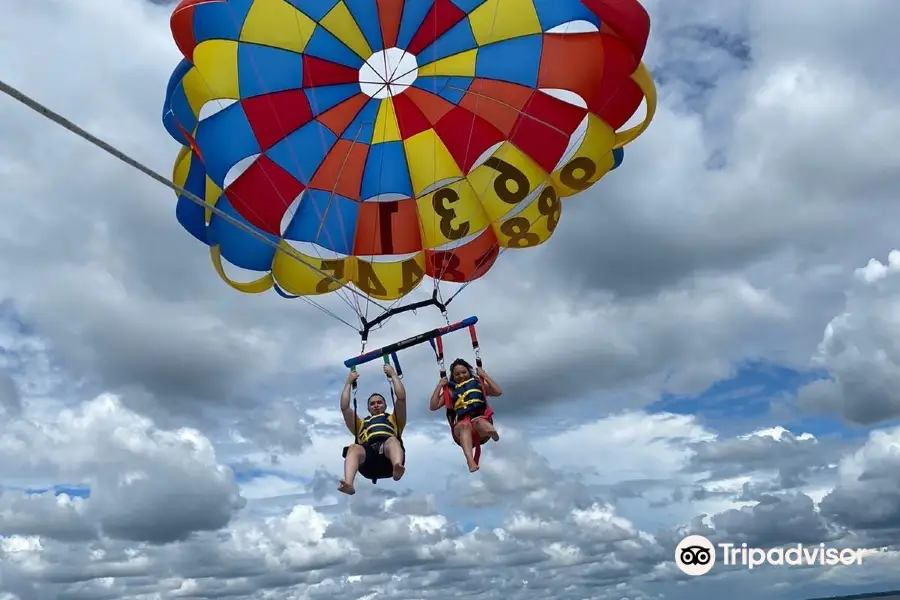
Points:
(409, 342)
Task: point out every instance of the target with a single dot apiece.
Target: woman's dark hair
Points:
(458, 362)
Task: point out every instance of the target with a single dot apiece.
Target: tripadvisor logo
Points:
(696, 555)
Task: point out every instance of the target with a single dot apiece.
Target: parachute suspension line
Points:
(475, 346)
(409, 342)
(397, 365)
(435, 36)
(392, 77)
(434, 215)
(385, 79)
(287, 209)
(328, 312)
(481, 262)
(477, 350)
(445, 262)
(466, 284)
(385, 84)
(478, 96)
(65, 123)
(348, 243)
(353, 389)
(476, 439)
(437, 344)
(387, 361)
(359, 312)
(380, 320)
(485, 257)
(340, 292)
(445, 315)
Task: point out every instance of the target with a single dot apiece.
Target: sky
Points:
(707, 345)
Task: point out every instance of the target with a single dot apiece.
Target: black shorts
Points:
(376, 465)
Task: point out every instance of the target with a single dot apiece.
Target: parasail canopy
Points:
(368, 144)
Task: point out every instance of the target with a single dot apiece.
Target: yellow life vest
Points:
(468, 394)
(377, 428)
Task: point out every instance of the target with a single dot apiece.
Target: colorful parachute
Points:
(375, 142)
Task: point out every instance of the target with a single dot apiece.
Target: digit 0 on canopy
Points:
(373, 143)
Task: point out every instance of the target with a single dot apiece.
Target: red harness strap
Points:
(477, 441)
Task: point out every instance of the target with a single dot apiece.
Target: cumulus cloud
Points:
(165, 436)
(861, 351)
(317, 547)
(10, 400)
(521, 527)
(144, 484)
(868, 486)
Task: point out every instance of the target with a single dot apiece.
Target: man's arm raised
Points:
(349, 414)
(399, 394)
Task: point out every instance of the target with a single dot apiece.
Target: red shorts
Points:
(487, 415)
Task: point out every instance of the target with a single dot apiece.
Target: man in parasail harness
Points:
(377, 452)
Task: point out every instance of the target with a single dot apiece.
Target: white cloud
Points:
(860, 350)
(135, 473)
(729, 235)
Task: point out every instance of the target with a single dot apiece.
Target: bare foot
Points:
(346, 488)
(472, 466)
(491, 432)
(399, 470)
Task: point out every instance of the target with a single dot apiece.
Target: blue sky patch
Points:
(746, 396)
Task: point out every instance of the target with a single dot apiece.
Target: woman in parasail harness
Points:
(377, 452)
(468, 391)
